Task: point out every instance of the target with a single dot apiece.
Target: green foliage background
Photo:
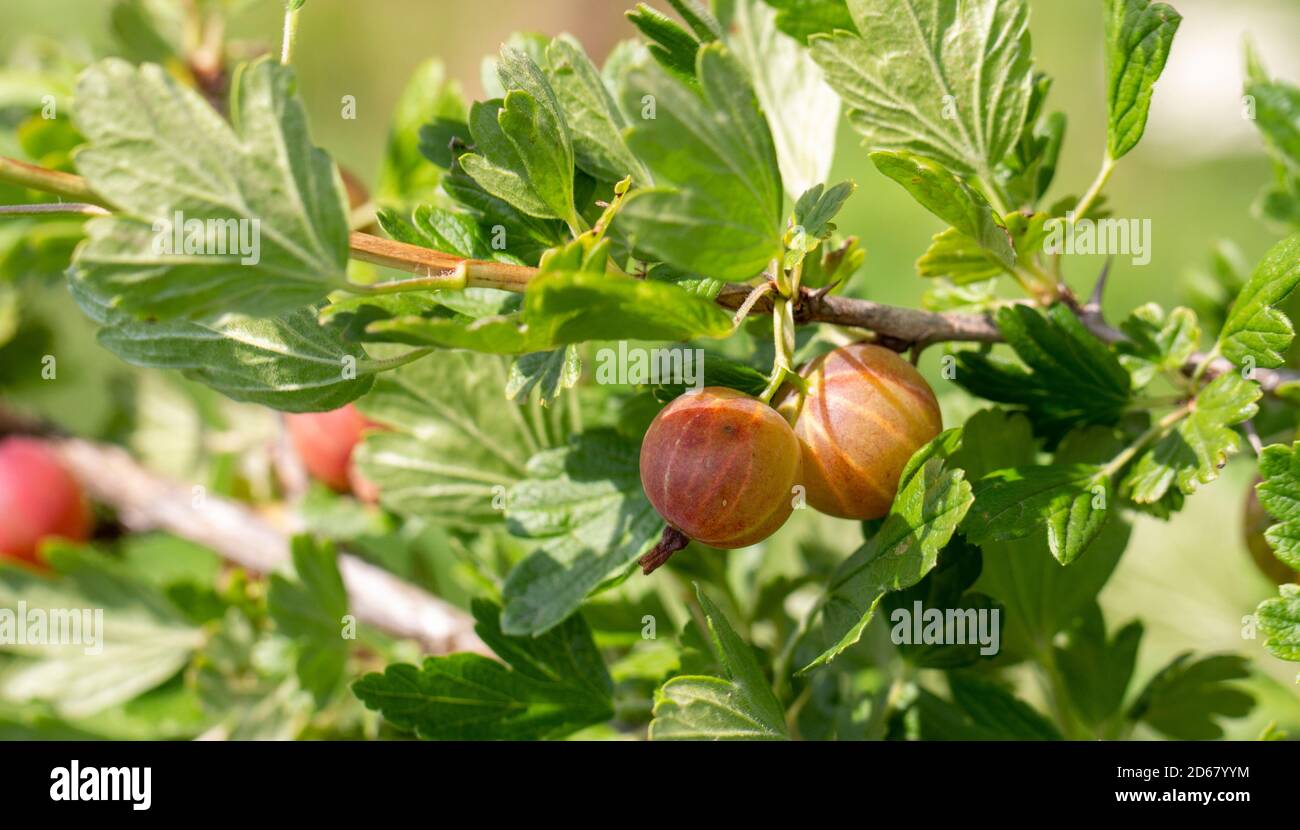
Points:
(1189, 580)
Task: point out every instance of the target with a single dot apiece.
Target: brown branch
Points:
(898, 328)
(144, 501)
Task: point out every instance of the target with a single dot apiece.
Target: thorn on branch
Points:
(1252, 435)
(1094, 300)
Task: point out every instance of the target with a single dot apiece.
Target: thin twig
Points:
(74, 208)
(145, 501)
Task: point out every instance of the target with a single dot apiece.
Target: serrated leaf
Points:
(802, 110)
(1279, 495)
(715, 209)
(523, 152)
(1096, 670)
(1138, 36)
(1193, 453)
(738, 706)
(1186, 698)
(1015, 502)
(1071, 377)
(801, 19)
(585, 503)
(945, 588)
(594, 119)
(562, 308)
(981, 710)
(310, 610)
(1040, 597)
(955, 256)
(549, 687)
(156, 149)
(1279, 619)
(549, 373)
(948, 81)
(527, 237)
(952, 200)
(1255, 328)
(137, 641)
(816, 208)
(1156, 342)
(453, 446)
(290, 362)
(932, 500)
(671, 44)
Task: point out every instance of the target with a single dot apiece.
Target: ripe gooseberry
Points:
(325, 441)
(720, 467)
(866, 412)
(39, 499)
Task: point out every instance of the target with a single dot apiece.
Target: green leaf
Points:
(1279, 495)
(429, 97)
(739, 705)
(585, 503)
(526, 237)
(157, 149)
(716, 371)
(1276, 106)
(1138, 36)
(955, 256)
(149, 31)
(1193, 453)
(952, 200)
(571, 307)
(981, 710)
(1071, 377)
(310, 610)
(290, 362)
(1279, 618)
(801, 19)
(1013, 503)
(1041, 598)
(946, 588)
(802, 110)
(671, 45)
(1157, 343)
(549, 373)
(1028, 171)
(948, 81)
(454, 444)
(594, 119)
(1255, 328)
(137, 641)
(818, 206)
(932, 500)
(715, 209)
(522, 149)
(549, 687)
(1097, 670)
(1187, 697)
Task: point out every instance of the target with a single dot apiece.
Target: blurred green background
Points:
(1195, 176)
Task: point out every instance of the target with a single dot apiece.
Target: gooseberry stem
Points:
(669, 543)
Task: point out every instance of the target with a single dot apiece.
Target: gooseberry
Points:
(39, 499)
(866, 412)
(721, 467)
